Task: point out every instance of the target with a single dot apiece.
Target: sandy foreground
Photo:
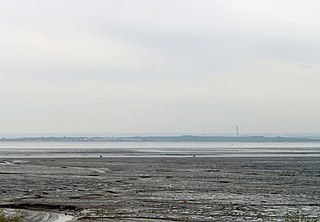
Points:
(161, 189)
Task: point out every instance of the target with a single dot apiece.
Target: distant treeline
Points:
(184, 138)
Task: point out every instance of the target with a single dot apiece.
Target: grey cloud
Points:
(289, 49)
(159, 66)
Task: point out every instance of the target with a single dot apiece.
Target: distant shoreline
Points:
(183, 138)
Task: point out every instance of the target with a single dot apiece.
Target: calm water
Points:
(155, 149)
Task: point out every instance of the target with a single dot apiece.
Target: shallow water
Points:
(155, 149)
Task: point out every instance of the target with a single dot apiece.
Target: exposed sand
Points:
(33, 215)
(162, 189)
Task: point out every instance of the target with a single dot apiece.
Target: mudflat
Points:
(163, 189)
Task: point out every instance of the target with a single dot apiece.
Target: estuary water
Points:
(155, 149)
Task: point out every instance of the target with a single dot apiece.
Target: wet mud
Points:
(164, 189)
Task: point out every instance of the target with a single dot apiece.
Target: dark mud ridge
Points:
(40, 206)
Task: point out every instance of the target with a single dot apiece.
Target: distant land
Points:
(183, 138)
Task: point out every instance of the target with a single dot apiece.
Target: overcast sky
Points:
(159, 66)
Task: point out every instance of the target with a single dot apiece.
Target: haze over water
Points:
(156, 149)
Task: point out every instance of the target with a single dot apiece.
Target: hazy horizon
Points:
(35, 135)
(148, 67)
